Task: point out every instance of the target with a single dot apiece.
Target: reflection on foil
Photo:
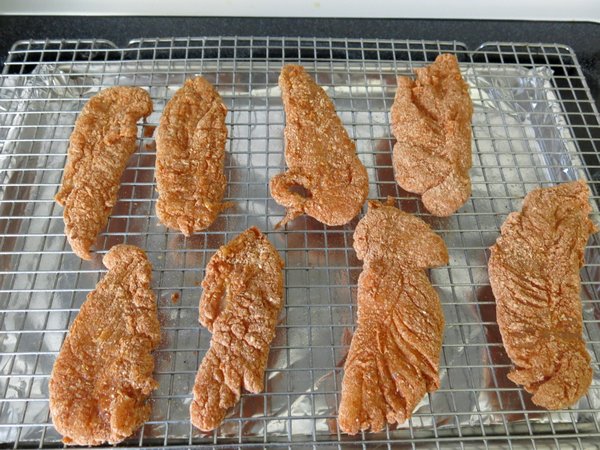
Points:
(521, 140)
(527, 97)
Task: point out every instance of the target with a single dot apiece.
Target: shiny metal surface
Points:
(534, 125)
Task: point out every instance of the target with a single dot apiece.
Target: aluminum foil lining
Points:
(521, 141)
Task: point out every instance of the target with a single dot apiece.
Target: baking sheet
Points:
(521, 141)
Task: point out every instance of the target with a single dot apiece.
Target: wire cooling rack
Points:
(534, 125)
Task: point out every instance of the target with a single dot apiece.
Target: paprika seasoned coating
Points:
(321, 158)
(431, 120)
(242, 298)
(190, 158)
(102, 376)
(394, 354)
(102, 142)
(534, 273)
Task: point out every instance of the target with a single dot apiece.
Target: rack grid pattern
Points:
(535, 125)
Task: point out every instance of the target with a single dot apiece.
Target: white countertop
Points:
(576, 10)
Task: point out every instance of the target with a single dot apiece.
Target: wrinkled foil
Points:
(521, 141)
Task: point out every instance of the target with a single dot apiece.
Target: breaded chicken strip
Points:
(394, 355)
(321, 158)
(102, 376)
(534, 274)
(100, 146)
(242, 298)
(190, 158)
(431, 120)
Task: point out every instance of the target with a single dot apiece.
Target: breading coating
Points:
(190, 158)
(321, 158)
(102, 142)
(102, 376)
(534, 274)
(431, 120)
(394, 355)
(242, 298)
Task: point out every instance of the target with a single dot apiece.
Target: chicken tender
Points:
(320, 156)
(102, 376)
(190, 158)
(394, 354)
(100, 146)
(534, 274)
(431, 120)
(242, 298)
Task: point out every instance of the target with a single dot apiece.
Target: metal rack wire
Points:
(535, 125)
